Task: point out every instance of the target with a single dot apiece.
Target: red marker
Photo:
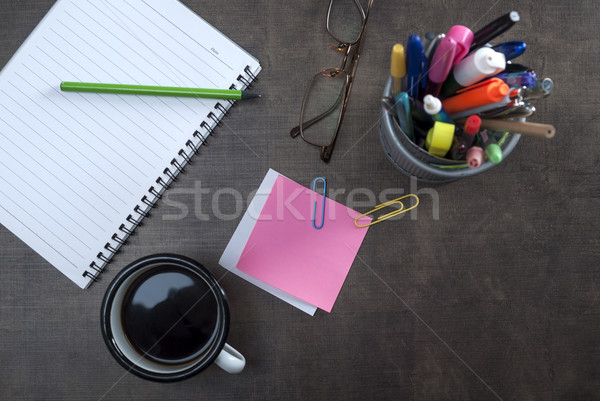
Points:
(465, 141)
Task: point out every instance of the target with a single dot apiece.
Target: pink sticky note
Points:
(287, 252)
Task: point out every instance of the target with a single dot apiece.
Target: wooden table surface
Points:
(490, 291)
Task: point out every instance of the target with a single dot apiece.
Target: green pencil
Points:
(157, 90)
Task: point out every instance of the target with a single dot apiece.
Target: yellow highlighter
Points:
(439, 138)
(398, 67)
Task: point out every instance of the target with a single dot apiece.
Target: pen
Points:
(494, 28)
(522, 110)
(514, 67)
(511, 49)
(416, 66)
(157, 90)
(480, 64)
(440, 66)
(515, 109)
(488, 91)
(540, 90)
(398, 67)
(512, 79)
(492, 150)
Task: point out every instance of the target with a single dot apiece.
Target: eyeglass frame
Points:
(327, 150)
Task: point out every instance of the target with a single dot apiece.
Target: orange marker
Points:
(489, 91)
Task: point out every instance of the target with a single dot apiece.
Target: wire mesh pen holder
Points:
(415, 161)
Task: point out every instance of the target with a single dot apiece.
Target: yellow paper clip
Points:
(390, 214)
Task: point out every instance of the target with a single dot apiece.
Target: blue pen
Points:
(416, 65)
(511, 49)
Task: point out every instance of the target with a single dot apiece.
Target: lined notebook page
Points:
(74, 165)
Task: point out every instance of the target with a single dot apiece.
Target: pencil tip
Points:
(250, 95)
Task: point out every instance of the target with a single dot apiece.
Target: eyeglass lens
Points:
(345, 19)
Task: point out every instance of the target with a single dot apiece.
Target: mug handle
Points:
(230, 360)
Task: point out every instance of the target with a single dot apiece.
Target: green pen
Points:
(227, 94)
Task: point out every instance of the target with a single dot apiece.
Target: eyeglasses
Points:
(327, 94)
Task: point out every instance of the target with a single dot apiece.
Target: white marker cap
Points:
(483, 63)
(432, 104)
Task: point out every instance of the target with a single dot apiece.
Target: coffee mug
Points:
(165, 318)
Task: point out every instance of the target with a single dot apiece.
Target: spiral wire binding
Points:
(217, 121)
(222, 109)
(232, 102)
(170, 174)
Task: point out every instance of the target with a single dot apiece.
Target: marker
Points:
(492, 150)
(538, 91)
(416, 66)
(439, 138)
(433, 106)
(463, 37)
(404, 115)
(494, 28)
(486, 92)
(475, 156)
(479, 65)
(157, 90)
(524, 78)
(398, 67)
(465, 141)
(440, 66)
(511, 50)
(546, 131)
(508, 100)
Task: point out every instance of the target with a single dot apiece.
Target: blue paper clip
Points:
(314, 188)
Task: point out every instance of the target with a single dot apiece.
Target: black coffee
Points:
(170, 315)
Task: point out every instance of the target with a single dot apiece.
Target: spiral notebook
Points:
(79, 171)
